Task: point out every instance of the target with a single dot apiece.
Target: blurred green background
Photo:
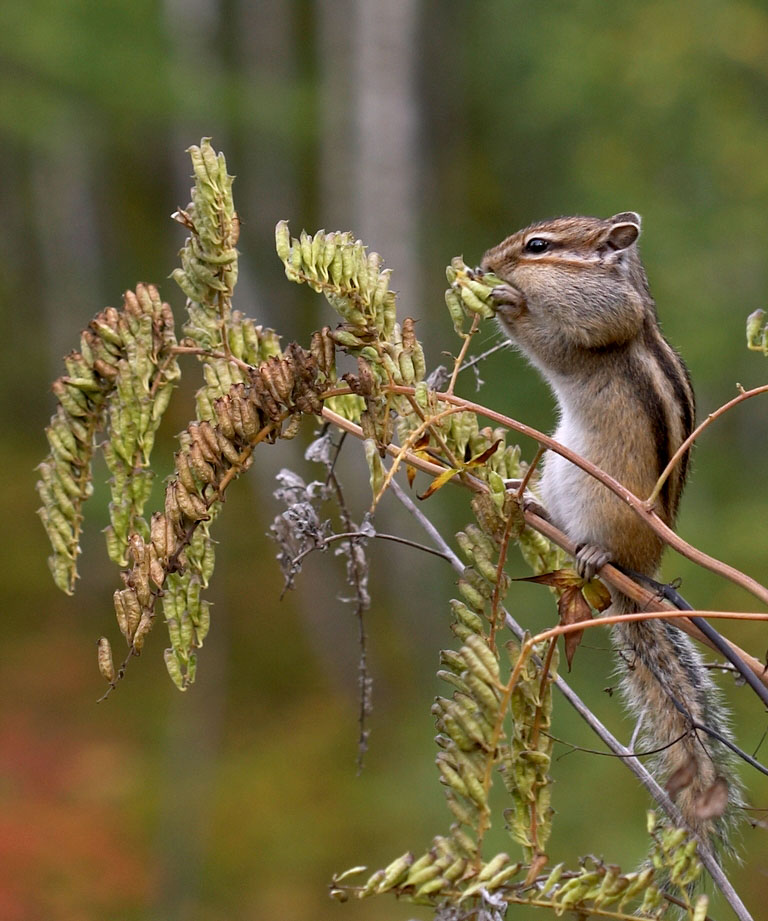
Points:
(431, 129)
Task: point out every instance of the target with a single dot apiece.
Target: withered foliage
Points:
(493, 721)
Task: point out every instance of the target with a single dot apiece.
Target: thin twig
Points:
(745, 395)
(460, 357)
(476, 359)
(348, 535)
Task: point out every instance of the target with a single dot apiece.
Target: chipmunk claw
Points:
(589, 559)
(509, 301)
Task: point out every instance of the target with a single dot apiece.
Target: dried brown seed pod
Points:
(120, 614)
(104, 658)
(143, 628)
(191, 504)
(227, 448)
(208, 442)
(222, 409)
(201, 467)
(184, 471)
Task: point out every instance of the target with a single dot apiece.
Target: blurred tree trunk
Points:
(266, 43)
(387, 158)
(66, 224)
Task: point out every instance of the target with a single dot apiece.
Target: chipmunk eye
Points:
(537, 245)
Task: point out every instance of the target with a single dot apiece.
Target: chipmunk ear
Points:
(624, 231)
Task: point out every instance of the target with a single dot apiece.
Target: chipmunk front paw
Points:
(589, 559)
(509, 301)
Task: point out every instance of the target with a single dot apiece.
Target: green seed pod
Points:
(481, 652)
(283, 240)
(700, 908)
(493, 867)
(452, 660)
(174, 668)
(453, 679)
(396, 872)
(483, 693)
(471, 595)
(423, 875)
(474, 305)
(467, 617)
(430, 888)
(451, 778)
(456, 311)
(464, 840)
(375, 466)
(464, 812)
(460, 631)
(305, 243)
(317, 251)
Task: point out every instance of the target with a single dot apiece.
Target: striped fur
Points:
(582, 313)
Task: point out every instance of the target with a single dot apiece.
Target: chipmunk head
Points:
(579, 277)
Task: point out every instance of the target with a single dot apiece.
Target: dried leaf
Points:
(574, 609)
(439, 482)
(559, 578)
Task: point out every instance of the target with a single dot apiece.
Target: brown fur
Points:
(582, 313)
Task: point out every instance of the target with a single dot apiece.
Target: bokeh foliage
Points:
(523, 112)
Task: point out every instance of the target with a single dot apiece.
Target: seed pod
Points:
(463, 811)
(471, 595)
(156, 569)
(466, 616)
(451, 777)
(375, 466)
(453, 303)
(191, 504)
(227, 449)
(305, 245)
(474, 305)
(184, 471)
(143, 628)
(174, 668)
(283, 240)
(121, 614)
(158, 535)
(203, 470)
(104, 658)
(222, 409)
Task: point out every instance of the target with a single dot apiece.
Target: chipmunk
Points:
(576, 302)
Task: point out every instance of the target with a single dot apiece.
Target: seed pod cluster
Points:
(444, 871)
(466, 722)
(469, 293)
(674, 855)
(352, 280)
(443, 874)
(143, 388)
(247, 342)
(176, 557)
(208, 272)
(527, 757)
(115, 379)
